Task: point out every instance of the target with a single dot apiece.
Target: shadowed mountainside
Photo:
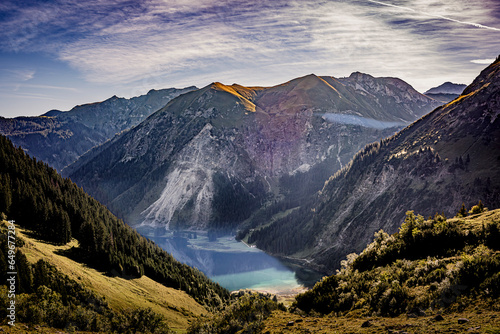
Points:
(211, 157)
(450, 156)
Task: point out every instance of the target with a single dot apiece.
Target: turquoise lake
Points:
(233, 264)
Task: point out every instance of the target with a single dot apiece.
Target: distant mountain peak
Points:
(68, 134)
(447, 88)
(52, 113)
(360, 76)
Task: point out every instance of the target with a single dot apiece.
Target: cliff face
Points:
(59, 138)
(213, 156)
(449, 157)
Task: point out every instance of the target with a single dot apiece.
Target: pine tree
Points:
(462, 212)
(5, 193)
(479, 208)
(24, 273)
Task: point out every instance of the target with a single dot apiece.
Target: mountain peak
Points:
(52, 113)
(69, 134)
(243, 94)
(305, 82)
(360, 76)
(447, 88)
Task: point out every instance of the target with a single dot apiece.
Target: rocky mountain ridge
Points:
(59, 138)
(447, 88)
(448, 157)
(211, 157)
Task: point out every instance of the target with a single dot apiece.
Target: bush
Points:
(245, 315)
(431, 263)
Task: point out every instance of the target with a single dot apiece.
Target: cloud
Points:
(123, 41)
(482, 61)
(17, 75)
(49, 87)
(477, 25)
(33, 96)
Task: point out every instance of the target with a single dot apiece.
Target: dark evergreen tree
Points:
(462, 212)
(24, 273)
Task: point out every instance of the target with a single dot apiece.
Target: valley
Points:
(250, 167)
(212, 157)
(264, 191)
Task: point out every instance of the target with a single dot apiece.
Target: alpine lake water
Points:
(233, 264)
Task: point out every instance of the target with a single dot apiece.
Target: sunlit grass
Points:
(121, 293)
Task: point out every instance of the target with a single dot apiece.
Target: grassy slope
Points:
(488, 321)
(483, 314)
(177, 307)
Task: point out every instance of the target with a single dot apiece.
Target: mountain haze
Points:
(448, 157)
(59, 138)
(212, 156)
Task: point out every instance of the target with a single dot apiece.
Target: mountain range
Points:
(59, 138)
(449, 157)
(255, 159)
(210, 158)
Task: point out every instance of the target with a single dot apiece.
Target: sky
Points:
(55, 54)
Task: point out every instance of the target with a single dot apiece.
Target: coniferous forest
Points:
(56, 210)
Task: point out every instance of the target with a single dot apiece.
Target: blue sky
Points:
(58, 54)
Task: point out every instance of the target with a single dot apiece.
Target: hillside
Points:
(177, 308)
(448, 157)
(55, 210)
(212, 157)
(59, 138)
(426, 264)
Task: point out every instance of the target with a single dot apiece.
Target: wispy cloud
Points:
(17, 75)
(482, 61)
(123, 41)
(49, 87)
(33, 96)
(477, 25)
